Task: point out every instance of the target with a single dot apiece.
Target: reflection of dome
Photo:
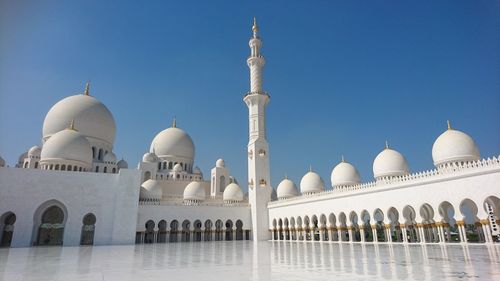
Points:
(70, 145)
(151, 189)
(194, 191)
(232, 193)
(149, 157)
(311, 183)
(344, 174)
(454, 146)
(389, 163)
(220, 163)
(286, 189)
(35, 151)
(93, 118)
(110, 157)
(122, 164)
(173, 142)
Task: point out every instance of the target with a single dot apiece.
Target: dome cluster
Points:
(451, 148)
(85, 145)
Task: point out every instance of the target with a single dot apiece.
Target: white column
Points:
(362, 233)
(405, 234)
(388, 233)
(351, 236)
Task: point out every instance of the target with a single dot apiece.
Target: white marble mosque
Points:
(73, 190)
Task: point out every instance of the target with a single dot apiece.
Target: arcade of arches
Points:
(455, 224)
(187, 231)
(49, 231)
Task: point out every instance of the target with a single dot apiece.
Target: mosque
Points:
(73, 190)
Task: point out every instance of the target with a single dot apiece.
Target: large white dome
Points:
(67, 144)
(93, 119)
(454, 146)
(286, 189)
(173, 142)
(232, 193)
(34, 151)
(344, 174)
(311, 183)
(389, 163)
(194, 191)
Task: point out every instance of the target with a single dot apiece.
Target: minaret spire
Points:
(449, 125)
(174, 123)
(255, 28)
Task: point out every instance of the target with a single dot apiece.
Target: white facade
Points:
(73, 191)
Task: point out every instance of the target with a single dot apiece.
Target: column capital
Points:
(460, 223)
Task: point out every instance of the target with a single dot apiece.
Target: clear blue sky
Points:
(344, 76)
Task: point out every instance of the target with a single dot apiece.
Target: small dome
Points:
(93, 119)
(122, 164)
(20, 160)
(220, 163)
(173, 142)
(67, 144)
(109, 157)
(311, 183)
(286, 189)
(344, 174)
(2, 162)
(151, 189)
(232, 193)
(389, 163)
(197, 170)
(194, 191)
(149, 157)
(454, 146)
(177, 168)
(35, 151)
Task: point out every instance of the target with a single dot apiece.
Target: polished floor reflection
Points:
(244, 260)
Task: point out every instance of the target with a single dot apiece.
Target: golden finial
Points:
(343, 160)
(255, 28)
(72, 125)
(386, 144)
(87, 88)
(174, 123)
(449, 125)
(310, 168)
(286, 176)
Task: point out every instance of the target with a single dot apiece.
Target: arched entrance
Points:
(149, 235)
(239, 230)
(162, 232)
(186, 231)
(88, 228)
(197, 231)
(51, 229)
(208, 230)
(174, 229)
(218, 230)
(7, 227)
(229, 230)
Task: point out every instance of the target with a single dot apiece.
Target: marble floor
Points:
(245, 260)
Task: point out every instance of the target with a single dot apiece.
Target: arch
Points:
(36, 165)
(492, 208)
(218, 230)
(410, 216)
(208, 230)
(275, 230)
(7, 221)
(315, 228)
(197, 231)
(394, 228)
(239, 230)
(162, 232)
(356, 234)
(472, 225)
(366, 225)
(323, 233)
(430, 232)
(343, 227)
(51, 226)
(378, 217)
(186, 231)
(280, 229)
(222, 183)
(147, 176)
(293, 229)
(300, 228)
(174, 228)
(105, 169)
(229, 230)
(449, 224)
(88, 229)
(149, 234)
(99, 157)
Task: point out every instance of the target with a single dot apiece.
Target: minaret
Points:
(259, 188)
